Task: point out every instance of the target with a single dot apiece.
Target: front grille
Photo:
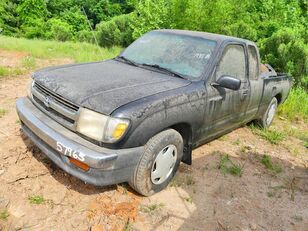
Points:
(60, 109)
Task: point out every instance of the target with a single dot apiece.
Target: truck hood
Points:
(105, 86)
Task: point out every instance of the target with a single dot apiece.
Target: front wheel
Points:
(268, 116)
(159, 162)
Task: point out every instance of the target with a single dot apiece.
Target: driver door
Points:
(226, 108)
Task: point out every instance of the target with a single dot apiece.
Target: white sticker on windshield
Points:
(144, 40)
(202, 56)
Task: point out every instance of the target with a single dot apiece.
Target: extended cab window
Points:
(253, 62)
(232, 63)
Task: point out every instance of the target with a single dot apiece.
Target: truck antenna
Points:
(99, 48)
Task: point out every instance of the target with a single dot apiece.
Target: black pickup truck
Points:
(134, 118)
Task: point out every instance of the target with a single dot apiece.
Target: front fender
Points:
(153, 114)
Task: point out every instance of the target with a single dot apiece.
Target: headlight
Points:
(100, 127)
(29, 88)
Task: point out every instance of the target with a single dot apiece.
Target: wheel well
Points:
(186, 132)
(278, 97)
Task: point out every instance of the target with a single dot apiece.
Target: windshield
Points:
(181, 54)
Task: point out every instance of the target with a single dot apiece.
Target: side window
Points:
(253, 62)
(232, 63)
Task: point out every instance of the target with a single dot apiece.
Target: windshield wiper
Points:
(173, 73)
(127, 60)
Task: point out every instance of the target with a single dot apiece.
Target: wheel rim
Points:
(164, 164)
(271, 114)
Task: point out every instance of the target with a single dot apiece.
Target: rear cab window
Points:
(254, 70)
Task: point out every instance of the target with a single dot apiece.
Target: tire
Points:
(160, 146)
(268, 116)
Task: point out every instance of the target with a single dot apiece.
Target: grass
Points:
(236, 142)
(275, 191)
(189, 200)
(4, 214)
(29, 62)
(79, 52)
(297, 218)
(9, 71)
(128, 226)
(2, 112)
(273, 136)
(290, 183)
(226, 165)
(4, 71)
(296, 106)
(268, 163)
(36, 199)
(175, 182)
(151, 208)
(190, 180)
(301, 135)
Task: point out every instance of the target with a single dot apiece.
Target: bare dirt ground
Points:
(36, 195)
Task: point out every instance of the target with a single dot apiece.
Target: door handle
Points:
(245, 92)
(215, 99)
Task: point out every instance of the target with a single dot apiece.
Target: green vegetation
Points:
(296, 106)
(189, 199)
(236, 142)
(128, 226)
(275, 191)
(278, 26)
(267, 162)
(2, 112)
(190, 180)
(4, 214)
(301, 135)
(36, 199)
(8, 71)
(4, 71)
(151, 208)
(29, 62)
(226, 165)
(273, 136)
(290, 183)
(175, 182)
(79, 52)
(297, 218)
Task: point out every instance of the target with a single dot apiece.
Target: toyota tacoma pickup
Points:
(134, 118)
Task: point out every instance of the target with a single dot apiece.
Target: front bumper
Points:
(107, 166)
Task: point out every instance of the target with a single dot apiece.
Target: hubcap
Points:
(163, 164)
(270, 114)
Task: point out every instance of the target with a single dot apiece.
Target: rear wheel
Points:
(159, 162)
(268, 116)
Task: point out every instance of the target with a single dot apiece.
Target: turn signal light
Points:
(79, 164)
(119, 130)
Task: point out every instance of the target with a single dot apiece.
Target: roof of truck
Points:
(206, 35)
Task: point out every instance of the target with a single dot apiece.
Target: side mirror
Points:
(228, 82)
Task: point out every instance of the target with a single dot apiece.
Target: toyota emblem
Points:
(47, 101)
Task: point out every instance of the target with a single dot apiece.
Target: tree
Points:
(59, 30)
(116, 31)
(8, 17)
(75, 17)
(31, 9)
(287, 51)
(149, 15)
(32, 15)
